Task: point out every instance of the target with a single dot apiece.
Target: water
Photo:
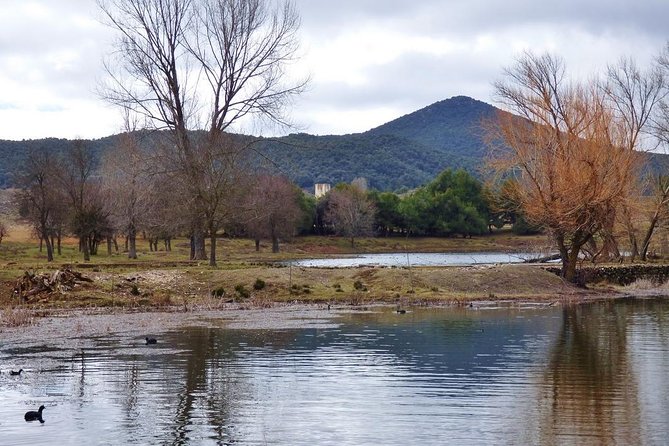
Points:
(588, 374)
(415, 259)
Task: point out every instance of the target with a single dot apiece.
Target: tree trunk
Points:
(41, 242)
(109, 246)
(275, 244)
(49, 249)
(569, 266)
(60, 252)
(83, 245)
(257, 245)
(197, 250)
(645, 245)
(212, 253)
(132, 245)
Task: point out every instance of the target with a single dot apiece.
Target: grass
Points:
(250, 278)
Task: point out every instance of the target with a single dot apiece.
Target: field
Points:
(248, 278)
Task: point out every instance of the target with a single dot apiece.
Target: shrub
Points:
(242, 291)
(358, 285)
(134, 290)
(259, 284)
(218, 292)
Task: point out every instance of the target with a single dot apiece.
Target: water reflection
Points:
(588, 374)
(590, 393)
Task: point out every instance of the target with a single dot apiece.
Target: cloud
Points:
(370, 60)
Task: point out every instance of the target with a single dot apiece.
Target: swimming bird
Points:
(13, 373)
(151, 341)
(400, 310)
(31, 415)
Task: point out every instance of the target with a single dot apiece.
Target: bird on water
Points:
(151, 341)
(13, 373)
(32, 415)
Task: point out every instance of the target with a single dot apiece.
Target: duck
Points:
(151, 341)
(32, 415)
(400, 310)
(13, 373)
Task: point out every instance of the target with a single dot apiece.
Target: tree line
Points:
(128, 195)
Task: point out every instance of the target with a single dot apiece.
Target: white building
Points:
(321, 189)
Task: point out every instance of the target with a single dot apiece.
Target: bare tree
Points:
(38, 198)
(127, 191)
(350, 212)
(203, 64)
(634, 97)
(76, 178)
(568, 153)
(273, 209)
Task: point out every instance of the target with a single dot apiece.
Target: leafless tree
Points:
(127, 192)
(272, 209)
(350, 212)
(206, 64)
(76, 177)
(38, 196)
(634, 96)
(568, 153)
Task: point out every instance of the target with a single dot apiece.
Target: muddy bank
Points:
(77, 328)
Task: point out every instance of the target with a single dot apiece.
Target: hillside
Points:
(403, 153)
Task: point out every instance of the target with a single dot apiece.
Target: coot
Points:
(31, 415)
(151, 341)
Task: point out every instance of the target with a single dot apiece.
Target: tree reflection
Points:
(589, 392)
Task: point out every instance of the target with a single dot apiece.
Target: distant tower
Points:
(321, 189)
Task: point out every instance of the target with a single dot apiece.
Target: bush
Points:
(242, 291)
(358, 285)
(134, 290)
(218, 292)
(259, 285)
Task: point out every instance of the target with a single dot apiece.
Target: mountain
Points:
(453, 126)
(401, 154)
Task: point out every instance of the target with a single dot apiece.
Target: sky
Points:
(370, 61)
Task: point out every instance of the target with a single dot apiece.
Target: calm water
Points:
(415, 259)
(589, 374)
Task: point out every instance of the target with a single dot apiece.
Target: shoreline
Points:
(54, 323)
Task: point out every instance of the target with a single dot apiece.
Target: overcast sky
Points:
(370, 61)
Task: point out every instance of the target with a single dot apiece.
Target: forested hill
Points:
(404, 153)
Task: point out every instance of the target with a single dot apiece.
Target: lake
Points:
(415, 259)
(585, 374)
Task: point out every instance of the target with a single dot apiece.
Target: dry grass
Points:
(647, 285)
(16, 317)
(166, 279)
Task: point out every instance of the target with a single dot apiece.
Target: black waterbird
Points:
(151, 341)
(32, 415)
(13, 373)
